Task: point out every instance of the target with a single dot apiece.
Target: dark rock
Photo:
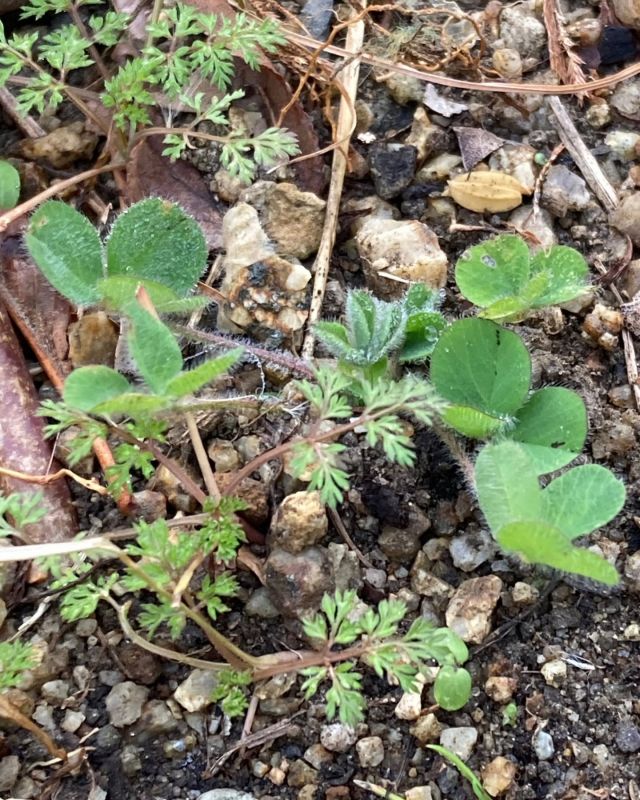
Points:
(298, 582)
(107, 741)
(392, 167)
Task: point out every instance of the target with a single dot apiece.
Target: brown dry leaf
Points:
(151, 173)
(563, 59)
(93, 340)
(487, 191)
(475, 145)
(41, 314)
(22, 443)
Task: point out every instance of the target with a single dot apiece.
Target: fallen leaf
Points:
(475, 145)
(62, 147)
(22, 443)
(486, 191)
(441, 105)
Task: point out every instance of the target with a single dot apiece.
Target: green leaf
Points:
(67, 249)
(568, 274)
(463, 769)
(87, 387)
(334, 336)
(582, 499)
(541, 543)
(422, 331)
(471, 422)
(189, 382)
(507, 485)
(133, 404)
(153, 348)
(360, 311)
(551, 427)
(478, 364)
(493, 270)
(452, 687)
(9, 186)
(156, 240)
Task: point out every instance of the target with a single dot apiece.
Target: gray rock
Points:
(300, 522)
(626, 217)
(370, 751)
(460, 741)
(226, 794)
(399, 546)
(632, 571)
(157, 718)
(124, 703)
(543, 745)
(55, 692)
(344, 566)
(9, 771)
(564, 191)
(628, 736)
(520, 30)
(392, 167)
(260, 605)
(297, 583)
(130, 760)
(626, 98)
(471, 550)
(300, 774)
(72, 721)
(337, 738)
(107, 741)
(194, 693)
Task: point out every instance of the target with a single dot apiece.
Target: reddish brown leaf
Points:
(41, 314)
(22, 443)
(150, 173)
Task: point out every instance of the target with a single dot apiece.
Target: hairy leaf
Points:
(67, 249)
(9, 186)
(189, 382)
(153, 347)
(87, 387)
(156, 240)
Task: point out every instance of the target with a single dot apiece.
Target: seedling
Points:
(506, 282)
(373, 639)
(376, 330)
(181, 42)
(540, 524)
(9, 186)
(463, 769)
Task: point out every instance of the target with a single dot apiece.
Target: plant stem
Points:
(203, 458)
(93, 50)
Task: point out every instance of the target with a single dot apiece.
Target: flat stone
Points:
(194, 693)
(124, 703)
(297, 583)
(460, 741)
(370, 751)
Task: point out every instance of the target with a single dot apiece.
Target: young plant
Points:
(463, 769)
(540, 524)
(373, 639)
(182, 42)
(503, 279)
(376, 330)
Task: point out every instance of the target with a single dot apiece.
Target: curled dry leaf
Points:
(475, 145)
(22, 443)
(487, 191)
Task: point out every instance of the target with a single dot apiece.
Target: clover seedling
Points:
(541, 524)
(484, 371)
(375, 330)
(503, 279)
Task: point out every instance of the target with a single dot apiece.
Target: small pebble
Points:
(72, 721)
(337, 738)
(555, 672)
(370, 751)
(460, 741)
(627, 737)
(543, 745)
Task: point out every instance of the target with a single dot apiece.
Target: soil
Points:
(592, 715)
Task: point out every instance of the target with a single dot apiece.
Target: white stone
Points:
(555, 672)
(194, 693)
(337, 738)
(370, 751)
(124, 703)
(460, 741)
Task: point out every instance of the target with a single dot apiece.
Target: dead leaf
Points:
(475, 145)
(486, 191)
(441, 105)
(150, 173)
(22, 443)
(41, 314)
(93, 340)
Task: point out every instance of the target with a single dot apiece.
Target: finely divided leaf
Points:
(541, 543)
(87, 387)
(507, 485)
(551, 427)
(67, 250)
(582, 499)
(156, 240)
